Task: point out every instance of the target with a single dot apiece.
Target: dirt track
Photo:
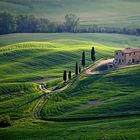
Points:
(91, 70)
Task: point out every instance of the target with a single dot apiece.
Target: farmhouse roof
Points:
(131, 50)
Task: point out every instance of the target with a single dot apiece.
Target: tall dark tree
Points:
(83, 59)
(93, 54)
(79, 69)
(65, 76)
(76, 69)
(69, 75)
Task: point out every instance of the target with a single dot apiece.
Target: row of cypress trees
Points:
(77, 67)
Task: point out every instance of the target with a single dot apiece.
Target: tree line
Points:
(30, 24)
(68, 76)
(10, 23)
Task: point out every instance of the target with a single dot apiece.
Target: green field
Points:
(101, 12)
(105, 106)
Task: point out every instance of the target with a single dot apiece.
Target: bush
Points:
(5, 121)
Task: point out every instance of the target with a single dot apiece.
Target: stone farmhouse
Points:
(127, 56)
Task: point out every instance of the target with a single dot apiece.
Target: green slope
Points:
(34, 60)
(23, 64)
(115, 40)
(103, 104)
(114, 116)
(105, 12)
(114, 94)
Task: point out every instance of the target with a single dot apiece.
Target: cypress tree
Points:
(76, 69)
(83, 59)
(69, 75)
(79, 69)
(93, 54)
(65, 76)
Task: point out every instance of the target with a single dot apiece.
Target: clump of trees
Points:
(77, 65)
(10, 23)
(30, 24)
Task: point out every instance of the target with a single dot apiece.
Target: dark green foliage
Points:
(65, 76)
(7, 23)
(83, 59)
(27, 23)
(93, 54)
(5, 121)
(76, 69)
(69, 75)
(10, 23)
(79, 69)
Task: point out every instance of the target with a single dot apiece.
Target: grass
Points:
(35, 60)
(115, 40)
(100, 107)
(99, 96)
(103, 12)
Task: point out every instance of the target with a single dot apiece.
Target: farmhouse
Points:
(127, 56)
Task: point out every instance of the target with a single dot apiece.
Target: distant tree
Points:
(69, 75)
(7, 23)
(43, 25)
(93, 54)
(65, 76)
(138, 31)
(83, 59)
(76, 69)
(27, 23)
(71, 22)
(79, 69)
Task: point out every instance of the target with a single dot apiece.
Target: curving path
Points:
(43, 99)
(92, 70)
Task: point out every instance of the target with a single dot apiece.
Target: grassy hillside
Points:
(103, 104)
(99, 96)
(23, 64)
(115, 40)
(34, 60)
(106, 107)
(103, 12)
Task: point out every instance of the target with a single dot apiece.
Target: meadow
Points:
(102, 106)
(116, 13)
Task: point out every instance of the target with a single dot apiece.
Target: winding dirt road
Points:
(92, 70)
(43, 99)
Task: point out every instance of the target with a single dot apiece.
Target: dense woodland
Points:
(10, 23)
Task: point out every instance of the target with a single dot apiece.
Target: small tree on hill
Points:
(69, 75)
(76, 69)
(93, 54)
(65, 76)
(83, 59)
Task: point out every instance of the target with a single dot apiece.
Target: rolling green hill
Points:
(98, 96)
(34, 60)
(103, 12)
(99, 107)
(95, 106)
